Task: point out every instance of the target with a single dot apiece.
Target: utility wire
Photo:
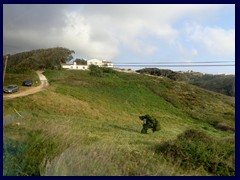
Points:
(194, 62)
(174, 65)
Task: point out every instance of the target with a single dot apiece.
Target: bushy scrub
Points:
(100, 71)
(108, 70)
(194, 149)
(95, 71)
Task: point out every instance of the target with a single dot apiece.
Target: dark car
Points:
(27, 83)
(11, 89)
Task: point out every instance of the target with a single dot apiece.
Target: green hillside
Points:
(89, 125)
(224, 84)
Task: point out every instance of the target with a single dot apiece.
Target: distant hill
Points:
(224, 84)
(38, 59)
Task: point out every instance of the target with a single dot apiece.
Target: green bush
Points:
(95, 71)
(108, 70)
(194, 149)
(100, 71)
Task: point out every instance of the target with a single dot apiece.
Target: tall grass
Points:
(24, 156)
(85, 125)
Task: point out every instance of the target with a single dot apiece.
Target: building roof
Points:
(74, 64)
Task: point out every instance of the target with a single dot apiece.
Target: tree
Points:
(51, 58)
(81, 62)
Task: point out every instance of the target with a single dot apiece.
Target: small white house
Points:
(100, 63)
(75, 66)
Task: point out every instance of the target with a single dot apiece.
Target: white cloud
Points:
(215, 40)
(130, 24)
(186, 53)
(87, 41)
(99, 31)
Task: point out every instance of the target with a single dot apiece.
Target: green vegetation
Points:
(164, 73)
(25, 157)
(89, 125)
(18, 78)
(100, 71)
(224, 84)
(194, 149)
(217, 83)
(38, 59)
(80, 61)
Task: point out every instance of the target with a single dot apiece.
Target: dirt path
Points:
(31, 90)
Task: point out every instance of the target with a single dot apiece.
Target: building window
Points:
(71, 67)
(83, 67)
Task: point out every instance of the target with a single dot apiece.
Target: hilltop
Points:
(88, 125)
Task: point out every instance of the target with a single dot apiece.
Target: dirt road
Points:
(30, 90)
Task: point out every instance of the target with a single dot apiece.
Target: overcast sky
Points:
(126, 33)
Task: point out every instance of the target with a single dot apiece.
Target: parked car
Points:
(11, 89)
(27, 83)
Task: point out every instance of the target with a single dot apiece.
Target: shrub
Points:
(95, 71)
(108, 70)
(100, 71)
(194, 149)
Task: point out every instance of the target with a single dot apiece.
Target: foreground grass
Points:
(84, 125)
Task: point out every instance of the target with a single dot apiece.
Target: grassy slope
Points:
(12, 78)
(90, 126)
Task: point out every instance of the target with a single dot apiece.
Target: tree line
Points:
(50, 58)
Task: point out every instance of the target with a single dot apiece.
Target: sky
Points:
(127, 33)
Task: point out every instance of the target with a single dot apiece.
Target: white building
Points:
(74, 66)
(106, 63)
(94, 62)
(100, 63)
